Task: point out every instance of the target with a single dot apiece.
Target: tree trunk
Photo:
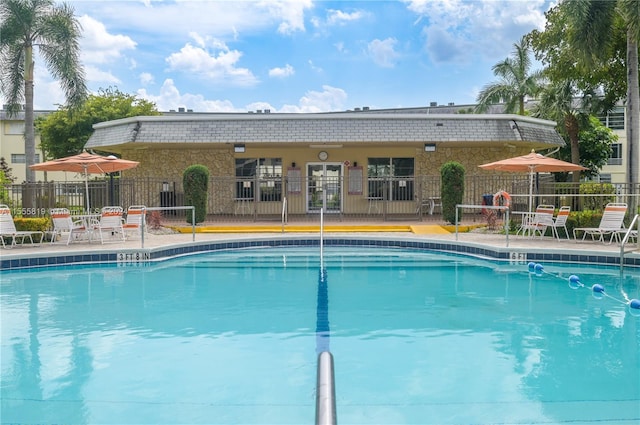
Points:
(29, 131)
(633, 116)
(573, 130)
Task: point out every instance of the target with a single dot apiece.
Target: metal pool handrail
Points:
(321, 240)
(284, 213)
(325, 391)
(625, 239)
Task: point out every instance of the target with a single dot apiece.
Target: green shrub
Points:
(40, 224)
(596, 203)
(452, 174)
(195, 181)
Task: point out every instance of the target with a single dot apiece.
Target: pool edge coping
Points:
(136, 256)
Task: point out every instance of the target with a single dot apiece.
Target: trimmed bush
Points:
(452, 174)
(195, 181)
(597, 203)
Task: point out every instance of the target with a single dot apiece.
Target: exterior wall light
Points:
(238, 148)
(429, 147)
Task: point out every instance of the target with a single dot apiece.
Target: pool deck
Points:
(517, 247)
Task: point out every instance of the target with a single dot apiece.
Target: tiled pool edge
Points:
(133, 256)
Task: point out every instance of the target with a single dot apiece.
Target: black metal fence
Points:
(232, 199)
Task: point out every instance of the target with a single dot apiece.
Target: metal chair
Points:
(134, 221)
(537, 222)
(560, 222)
(63, 224)
(110, 224)
(8, 229)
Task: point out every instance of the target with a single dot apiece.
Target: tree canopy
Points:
(554, 49)
(66, 131)
(54, 30)
(517, 82)
(595, 147)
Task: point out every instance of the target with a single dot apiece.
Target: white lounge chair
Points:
(110, 224)
(560, 222)
(537, 222)
(611, 223)
(8, 230)
(135, 220)
(65, 224)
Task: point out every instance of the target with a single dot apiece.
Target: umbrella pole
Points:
(86, 188)
(531, 191)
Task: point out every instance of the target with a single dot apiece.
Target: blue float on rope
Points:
(574, 282)
(598, 291)
(634, 303)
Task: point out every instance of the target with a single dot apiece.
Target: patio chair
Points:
(65, 224)
(537, 222)
(560, 222)
(611, 223)
(135, 220)
(110, 224)
(8, 229)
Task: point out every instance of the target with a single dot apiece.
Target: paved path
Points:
(546, 244)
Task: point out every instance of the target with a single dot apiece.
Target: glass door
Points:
(324, 187)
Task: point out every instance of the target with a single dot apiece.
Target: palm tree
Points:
(25, 24)
(592, 21)
(516, 84)
(557, 102)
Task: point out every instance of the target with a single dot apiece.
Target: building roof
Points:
(341, 127)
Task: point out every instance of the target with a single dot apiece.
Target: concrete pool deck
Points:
(432, 236)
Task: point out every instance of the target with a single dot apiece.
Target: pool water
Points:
(231, 337)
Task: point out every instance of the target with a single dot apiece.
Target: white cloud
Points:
(287, 71)
(219, 65)
(100, 47)
(96, 75)
(171, 98)
(338, 17)
(146, 78)
(170, 19)
(291, 12)
(382, 52)
(487, 28)
(329, 99)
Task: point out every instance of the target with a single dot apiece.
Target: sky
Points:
(294, 56)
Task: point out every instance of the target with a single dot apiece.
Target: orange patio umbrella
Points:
(86, 163)
(532, 163)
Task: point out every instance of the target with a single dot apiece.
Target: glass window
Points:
(270, 179)
(378, 170)
(616, 154)
(614, 119)
(391, 178)
(15, 128)
(245, 174)
(267, 172)
(20, 158)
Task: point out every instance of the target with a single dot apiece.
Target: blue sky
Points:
(295, 55)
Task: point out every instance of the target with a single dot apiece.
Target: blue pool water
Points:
(231, 337)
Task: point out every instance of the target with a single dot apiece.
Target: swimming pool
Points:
(230, 337)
